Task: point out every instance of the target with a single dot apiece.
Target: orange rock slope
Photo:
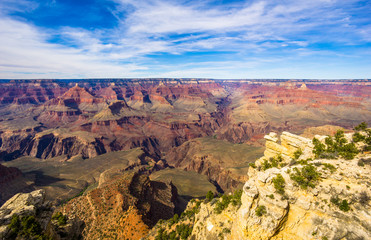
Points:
(123, 208)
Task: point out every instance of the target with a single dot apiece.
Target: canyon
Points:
(299, 197)
(114, 152)
(49, 118)
(61, 120)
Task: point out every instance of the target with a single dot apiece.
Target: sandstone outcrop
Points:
(307, 199)
(289, 144)
(22, 204)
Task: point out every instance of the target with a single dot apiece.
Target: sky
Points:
(311, 39)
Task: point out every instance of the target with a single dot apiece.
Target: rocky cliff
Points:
(124, 206)
(11, 182)
(159, 114)
(288, 196)
(25, 215)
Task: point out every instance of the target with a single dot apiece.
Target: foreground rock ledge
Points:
(298, 213)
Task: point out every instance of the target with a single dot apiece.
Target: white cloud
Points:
(256, 28)
(26, 53)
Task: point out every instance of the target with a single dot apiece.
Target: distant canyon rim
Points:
(174, 122)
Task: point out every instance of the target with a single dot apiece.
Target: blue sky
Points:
(185, 38)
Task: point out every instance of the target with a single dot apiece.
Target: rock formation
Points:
(123, 207)
(303, 199)
(23, 204)
(11, 182)
(290, 143)
(163, 113)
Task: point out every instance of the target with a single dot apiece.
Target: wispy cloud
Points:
(236, 37)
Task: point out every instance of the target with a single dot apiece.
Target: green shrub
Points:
(319, 148)
(266, 165)
(361, 127)
(161, 234)
(62, 220)
(221, 205)
(184, 230)
(279, 184)
(191, 212)
(306, 177)
(14, 226)
(235, 199)
(344, 206)
(341, 204)
(302, 162)
(172, 236)
(226, 230)
(272, 162)
(252, 165)
(26, 227)
(298, 153)
(260, 210)
(348, 151)
(209, 195)
(330, 167)
(334, 147)
(357, 137)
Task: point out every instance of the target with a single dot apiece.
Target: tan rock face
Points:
(336, 207)
(290, 143)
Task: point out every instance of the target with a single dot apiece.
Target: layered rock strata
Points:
(335, 206)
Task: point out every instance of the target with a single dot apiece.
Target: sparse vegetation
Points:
(209, 196)
(272, 162)
(329, 166)
(191, 213)
(305, 177)
(26, 227)
(62, 220)
(334, 147)
(342, 204)
(173, 220)
(298, 153)
(260, 210)
(226, 230)
(184, 230)
(363, 134)
(222, 204)
(279, 184)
